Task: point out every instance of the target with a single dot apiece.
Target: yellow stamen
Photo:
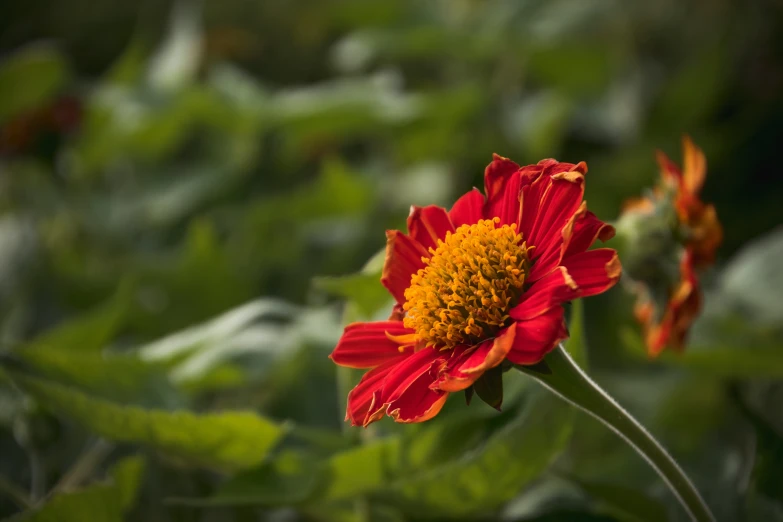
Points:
(474, 277)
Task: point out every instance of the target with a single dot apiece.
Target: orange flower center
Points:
(474, 277)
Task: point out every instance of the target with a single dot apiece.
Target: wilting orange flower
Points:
(475, 286)
(703, 233)
(668, 300)
(681, 309)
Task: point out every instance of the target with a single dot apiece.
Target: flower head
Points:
(669, 325)
(701, 229)
(476, 286)
(670, 234)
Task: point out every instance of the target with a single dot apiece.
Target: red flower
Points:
(477, 285)
(703, 231)
(682, 308)
(669, 300)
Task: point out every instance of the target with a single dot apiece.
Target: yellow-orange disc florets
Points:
(471, 281)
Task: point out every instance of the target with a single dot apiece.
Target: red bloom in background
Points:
(704, 233)
(682, 308)
(477, 285)
(668, 301)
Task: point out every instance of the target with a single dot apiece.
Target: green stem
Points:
(562, 375)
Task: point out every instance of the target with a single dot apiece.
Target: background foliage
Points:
(184, 187)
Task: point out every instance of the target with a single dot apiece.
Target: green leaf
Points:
(121, 377)
(489, 387)
(362, 469)
(30, 78)
(294, 478)
(89, 332)
(101, 502)
(230, 440)
(289, 479)
(748, 360)
(365, 291)
(625, 503)
(494, 473)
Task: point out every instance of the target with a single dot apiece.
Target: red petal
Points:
(406, 393)
(468, 209)
(418, 403)
(560, 201)
(429, 224)
(502, 184)
(361, 397)
(551, 290)
(594, 271)
(538, 336)
(582, 231)
(694, 166)
(403, 259)
(535, 180)
(669, 170)
(408, 371)
(465, 369)
(365, 345)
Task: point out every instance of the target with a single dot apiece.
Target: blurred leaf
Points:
(91, 331)
(119, 377)
(753, 281)
(496, 471)
(101, 502)
(575, 68)
(177, 60)
(29, 78)
(365, 291)
(362, 469)
(748, 360)
(769, 448)
(127, 475)
(625, 503)
(230, 440)
(294, 478)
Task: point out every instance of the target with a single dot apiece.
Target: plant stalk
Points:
(562, 375)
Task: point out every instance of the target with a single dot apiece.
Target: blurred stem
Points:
(37, 477)
(84, 467)
(562, 375)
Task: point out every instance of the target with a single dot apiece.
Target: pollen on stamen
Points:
(463, 295)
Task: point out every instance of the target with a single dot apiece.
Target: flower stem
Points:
(562, 375)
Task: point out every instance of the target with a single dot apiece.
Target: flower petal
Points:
(418, 403)
(361, 398)
(670, 327)
(560, 201)
(594, 271)
(694, 166)
(403, 259)
(538, 336)
(409, 370)
(535, 181)
(429, 224)
(468, 209)
(552, 290)
(462, 371)
(366, 345)
(502, 184)
(582, 230)
(407, 395)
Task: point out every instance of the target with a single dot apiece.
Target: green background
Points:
(183, 189)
